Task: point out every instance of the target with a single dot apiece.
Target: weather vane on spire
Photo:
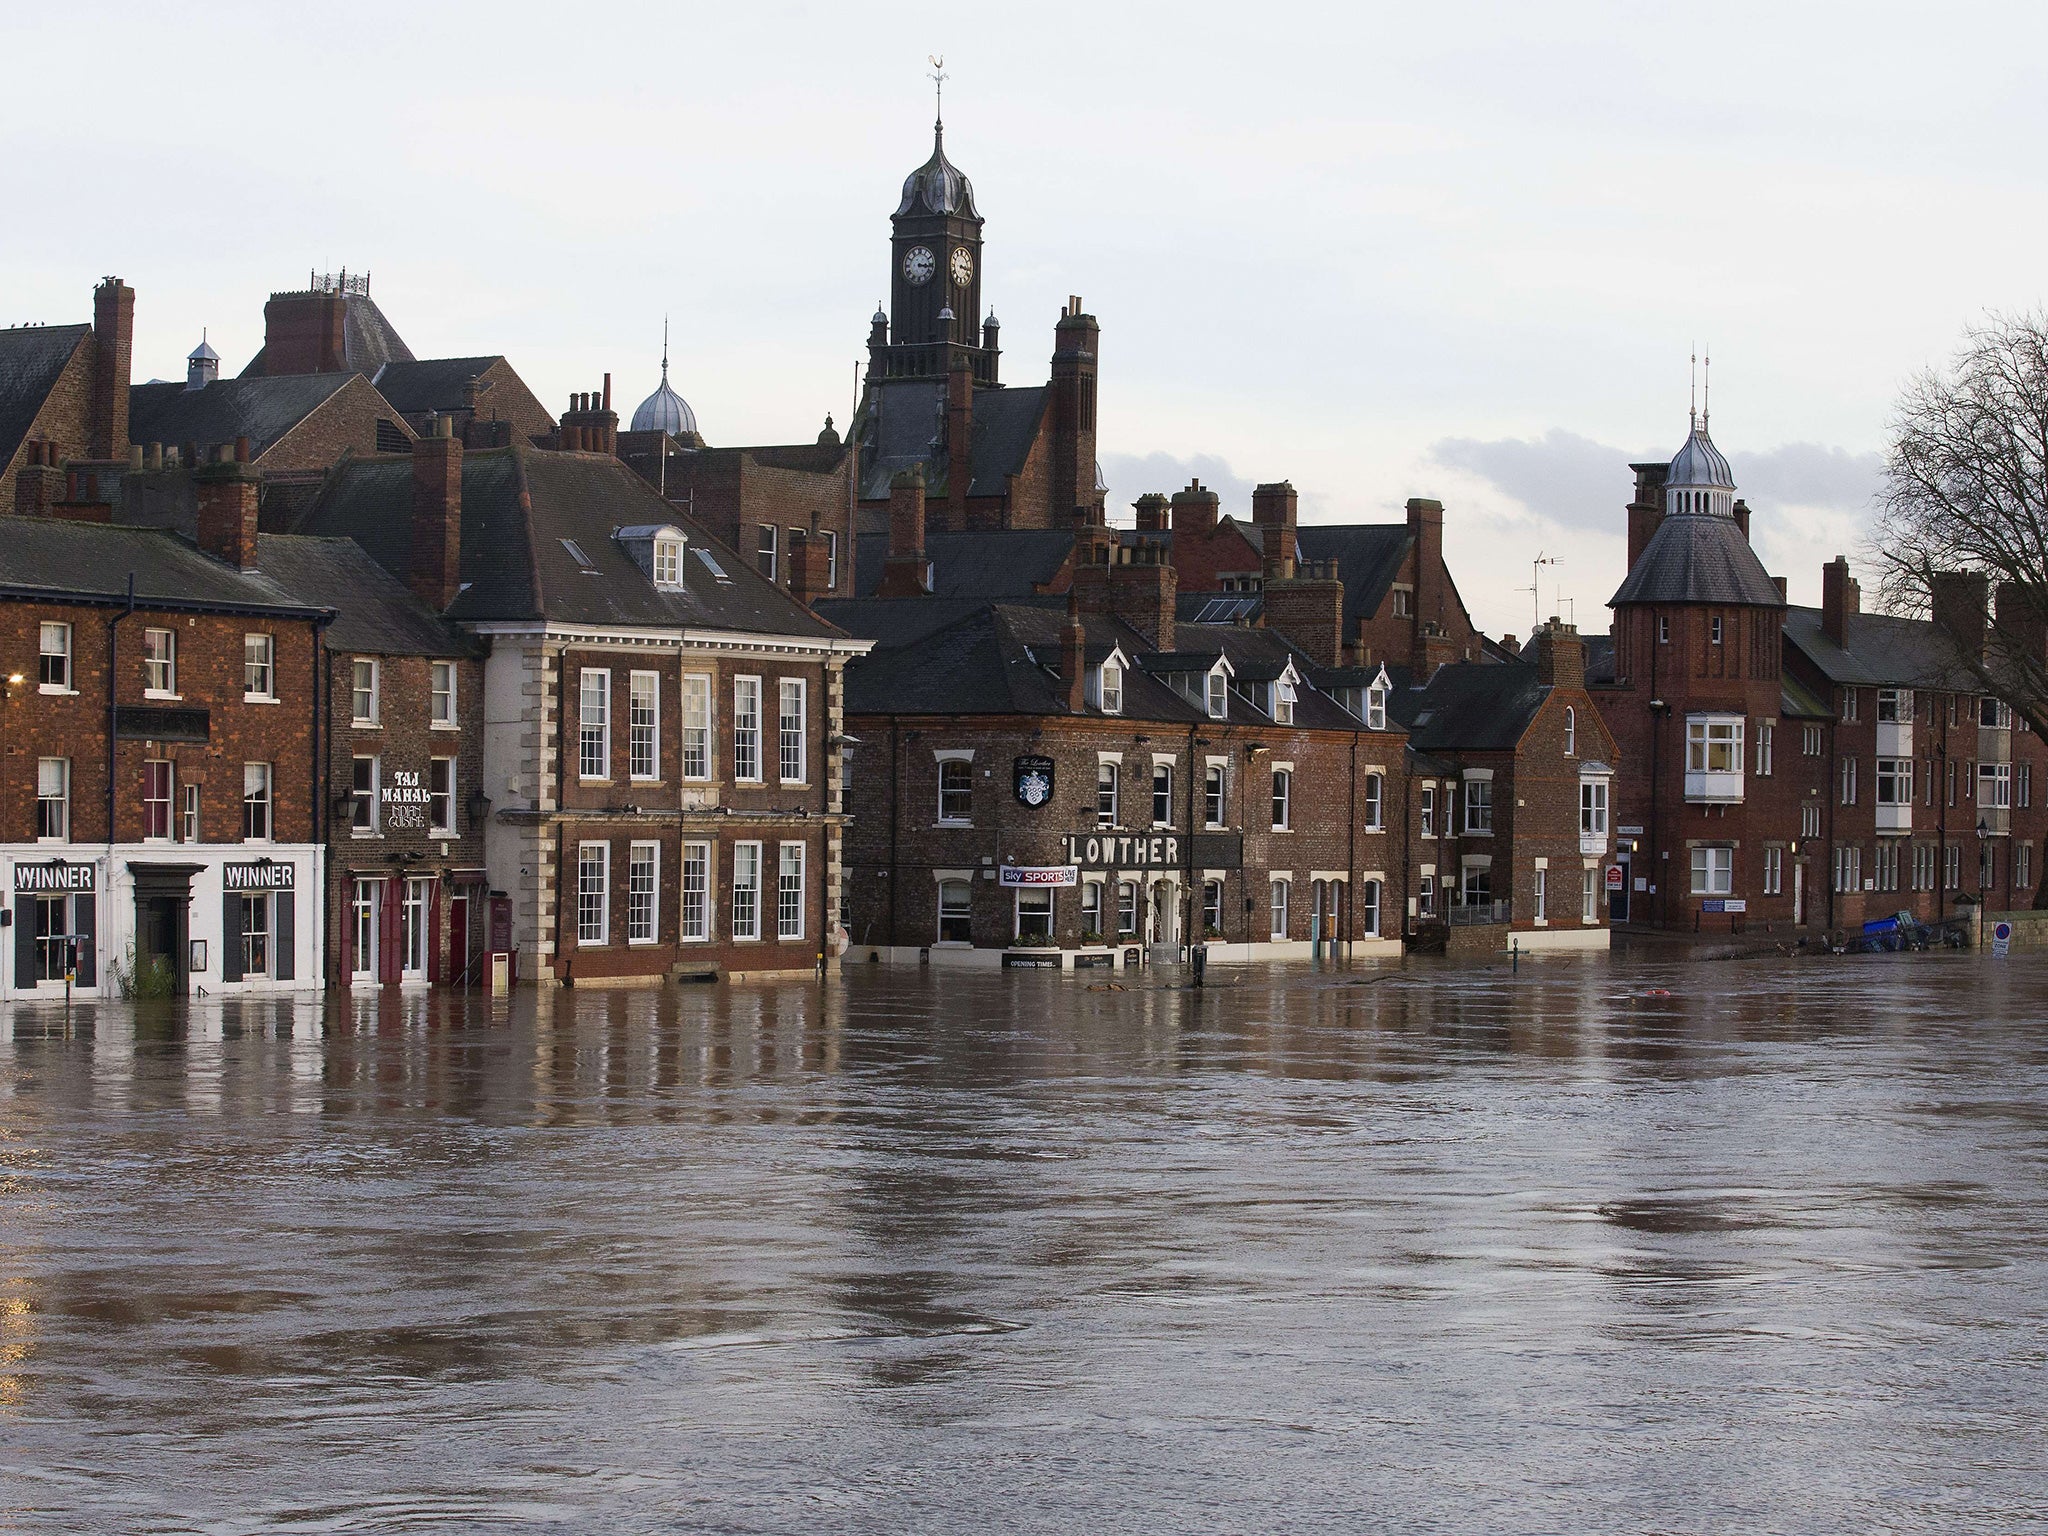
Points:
(938, 64)
(1707, 390)
(1692, 405)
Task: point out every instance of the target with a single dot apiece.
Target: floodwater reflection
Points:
(1599, 1246)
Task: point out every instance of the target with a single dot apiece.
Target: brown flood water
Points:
(1417, 1249)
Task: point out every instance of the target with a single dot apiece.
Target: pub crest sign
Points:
(1034, 779)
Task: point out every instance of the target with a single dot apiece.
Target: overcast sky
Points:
(1380, 250)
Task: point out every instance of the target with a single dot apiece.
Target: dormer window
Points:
(1109, 688)
(1218, 696)
(668, 562)
(1376, 705)
(1283, 702)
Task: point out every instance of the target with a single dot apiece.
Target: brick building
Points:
(1094, 773)
(158, 792)
(1514, 776)
(656, 718)
(1811, 769)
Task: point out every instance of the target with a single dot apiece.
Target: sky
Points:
(1382, 251)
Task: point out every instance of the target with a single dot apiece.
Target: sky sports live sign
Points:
(1039, 875)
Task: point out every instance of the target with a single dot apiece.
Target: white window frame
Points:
(593, 894)
(1592, 808)
(643, 892)
(1216, 696)
(1766, 748)
(1279, 901)
(767, 538)
(259, 669)
(1589, 897)
(1713, 744)
(746, 730)
(668, 563)
(1109, 786)
(441, 703)
(1035, 895)
(1478, 799)
(693, 894)
(53, 826)
(258, 791)
(1159, 770)
(1215, 795)
(1571, 731)
(790, 870)
(793, 742)
(363, 692)
(160, 664)
(961, 911)
(1283, 799)
(594, 725)
(53, 629)
(1713, 871)
(1109, 688)
(1895, 781)
(372, 799)
(746, 892)
(1994, 786)
(441, 801)
(1774, 870)
(699, 745)
(643, 727)
(1375, 802)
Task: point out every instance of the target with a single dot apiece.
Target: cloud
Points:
(1575, 482)
(1567, 479)
(1132, 475)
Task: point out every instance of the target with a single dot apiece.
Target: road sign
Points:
(2001, 940)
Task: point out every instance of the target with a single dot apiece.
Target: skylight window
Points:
(576, 554)
(710, 564)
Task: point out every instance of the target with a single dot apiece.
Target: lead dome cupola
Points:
(665, 410)
(938, 186)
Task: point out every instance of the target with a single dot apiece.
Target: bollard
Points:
(1201, 958)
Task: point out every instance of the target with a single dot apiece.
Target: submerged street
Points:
(1405, 1248)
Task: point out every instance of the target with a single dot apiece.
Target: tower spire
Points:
(664, 349)
(1692, 405)
(1707, 390)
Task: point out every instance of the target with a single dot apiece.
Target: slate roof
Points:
(1368, 557)
(375, 613)
(522, 509)
(1599, 658)
(1891, 652)
(260, 409)
(1470, 706)
(415, 385)
(368, 340)
(1696, 558)
(94, 560)
(1004, 563)
(31, 358)
(1796, 700)
(894, 621)
(904, 424)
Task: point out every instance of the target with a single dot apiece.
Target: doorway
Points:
(1617, 897)
(163, 918)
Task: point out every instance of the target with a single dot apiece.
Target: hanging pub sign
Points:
(1034, 780)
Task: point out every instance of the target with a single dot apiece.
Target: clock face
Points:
(918, 265)
(963, 267)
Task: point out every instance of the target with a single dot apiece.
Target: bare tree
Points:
(1964, 509)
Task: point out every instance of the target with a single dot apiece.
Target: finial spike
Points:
(664, 349)
(1692, 406)
(938, 64)
(1707, 388)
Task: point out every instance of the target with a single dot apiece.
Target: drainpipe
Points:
(1656, 828)
(113, 709)
(1343, 902)
(1188, 901)
(895, 796)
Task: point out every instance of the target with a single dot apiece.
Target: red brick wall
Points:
(64, 416)
(210, 676)
(346, 422)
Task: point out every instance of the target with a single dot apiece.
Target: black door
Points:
(1617, 899)
(160, 935)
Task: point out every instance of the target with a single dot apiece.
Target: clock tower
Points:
(934, 279)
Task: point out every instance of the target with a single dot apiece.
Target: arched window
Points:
(1571, 731)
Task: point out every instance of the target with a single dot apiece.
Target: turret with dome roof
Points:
(665, 410)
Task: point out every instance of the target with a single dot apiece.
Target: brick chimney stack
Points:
(1426, 536)
(1646, 510)
(82, 501)
(226, 493)
(1742, 517)
(1195, 509)
(434, 561)
(1273, 511)
(810, 567)
(1839, 598)
(38, 484)
(2023, 625)
(1962, 607)
(1308, 608)
(1076, 355)
(113, 348)
(1074, 657)
(1142, 591)
(1152, 514)
(590, 425)
(1560, 655)
(303, 332)
(906, 573)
